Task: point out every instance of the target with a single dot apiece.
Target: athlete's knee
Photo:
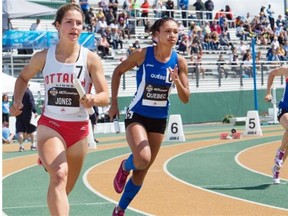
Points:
(58, 176)
(143, 161)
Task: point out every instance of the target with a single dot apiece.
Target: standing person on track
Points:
(63, 127)
(281, 153)
(160, 67)
(24, 128)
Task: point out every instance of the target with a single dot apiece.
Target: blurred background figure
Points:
(7, 135)
(5, 108)
(23, 121)
(94, 119)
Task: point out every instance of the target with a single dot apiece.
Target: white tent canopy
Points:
(8, 83)
(23, 8)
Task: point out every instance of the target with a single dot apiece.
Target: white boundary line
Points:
(210, 191)
(85, 180)
(252, 170)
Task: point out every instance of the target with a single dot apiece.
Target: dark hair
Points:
(158, 23)
(63, 9)
(3, 96)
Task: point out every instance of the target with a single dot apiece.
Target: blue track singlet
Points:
(153, 86)
(283, 104)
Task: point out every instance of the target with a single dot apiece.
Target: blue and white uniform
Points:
(283, 104)
(153, 86)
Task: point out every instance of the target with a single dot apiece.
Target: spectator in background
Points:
(110, 17)
(215, 27)
(23, 121)
(229, 16)
(7, 135)
(183, 44)
(184, 4)
(136, 44)
(221, 69)
(270, 14)
(214, 41)
(113, 4)
(5, 108)
(94, 119)
(85, 6)
(36, 26)
(145, 6)
(135, 12)
(247, 66)
(196, 62)
(280, 20)
(286, 50)
(234, 61)
(199, 7)
(242, 47)
(92, 16)
(240, 32)
(100, 14)
(275, 43)
(170, 6)
(103, 45)
(130, 50)
(206, 28)
(101, 25)
(209, 6)
(224, 41)
(280, 52)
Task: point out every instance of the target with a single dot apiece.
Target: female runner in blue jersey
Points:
(281, 153)
(159, 67)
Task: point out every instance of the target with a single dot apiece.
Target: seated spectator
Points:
(100, 14)
(181, 30)
(207, 42)
(147, 27)
(221, 69)
(117, 38)
(124, 27)
(280, 52)
(280, 21)
(224, 41)
(183, 44)
(136, 44)
(215, 40)
(247, 67)
(243, 47)
(275, 43)
(241, 33)
(246, 54)
(286, 50)
(103, 46)
(258, 59)
(196, 46)
(130, 50)
(206, 28)
(108, 33)
(7, 135)
(215, 27)
(110, 17)
(101, 25)
(199, 66)
(234, 61)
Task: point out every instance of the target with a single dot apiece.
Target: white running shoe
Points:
(276, 179)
